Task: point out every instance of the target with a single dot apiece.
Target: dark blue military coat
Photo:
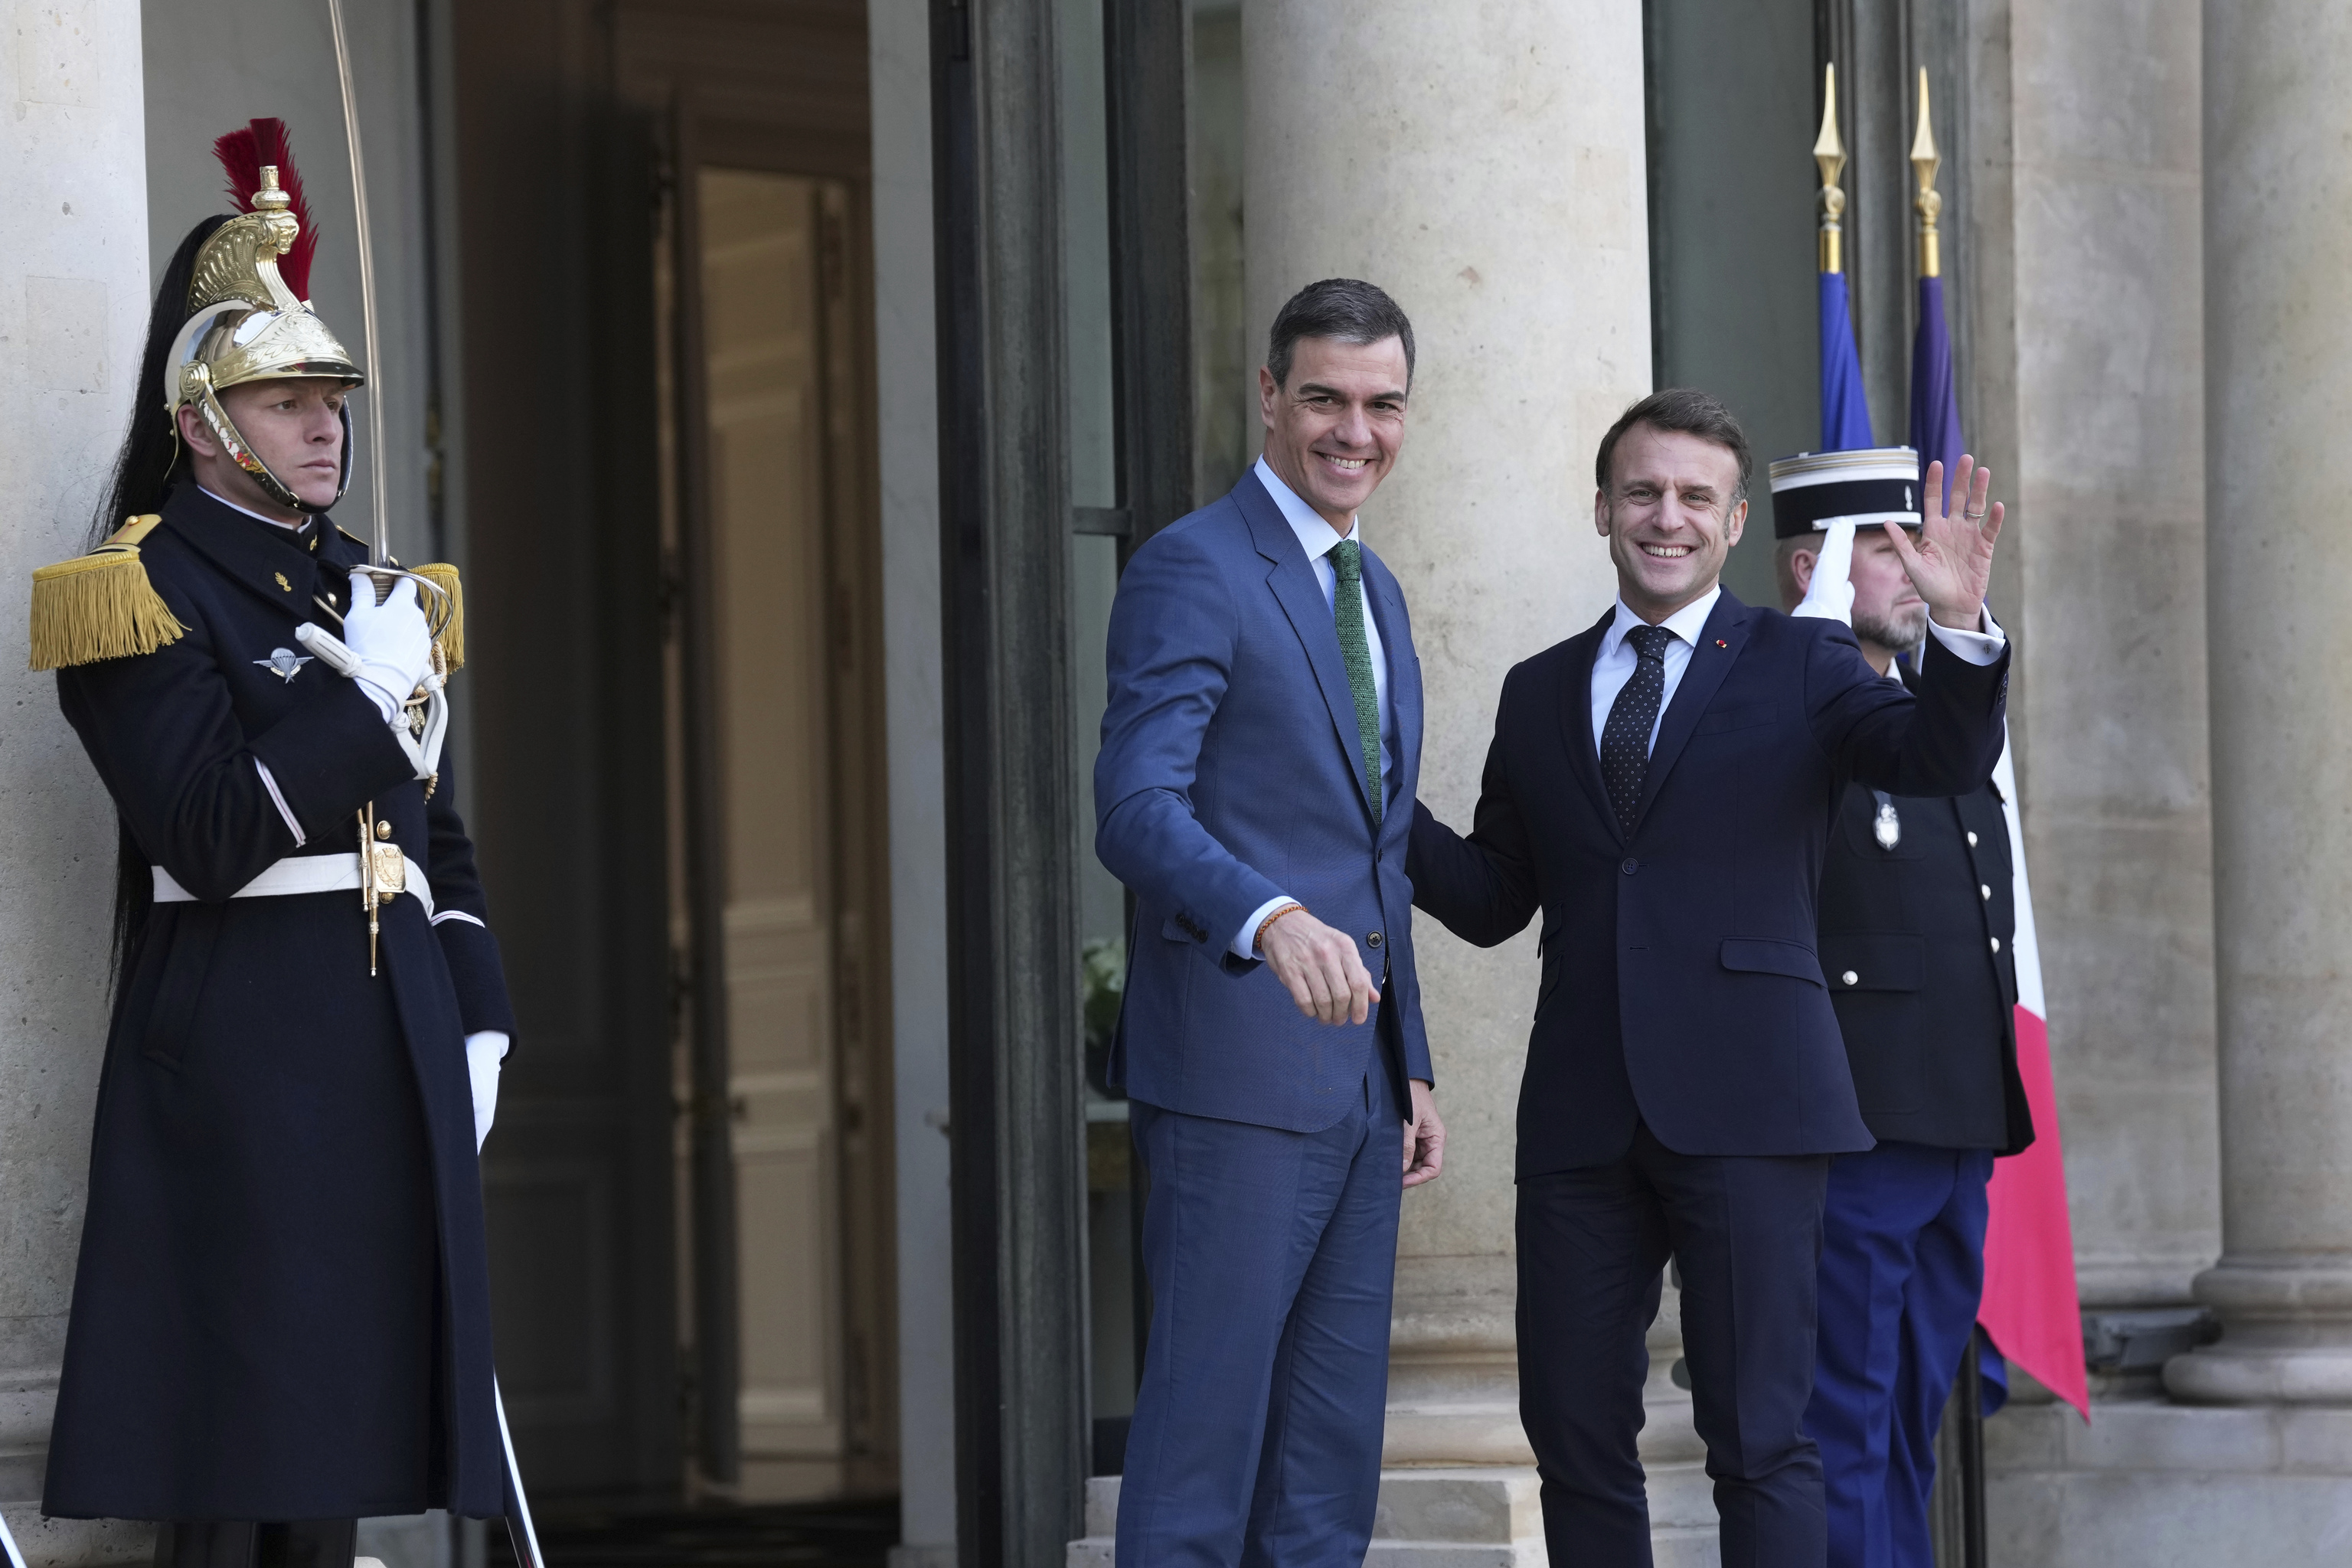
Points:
(1917, 942)
(282, 1306)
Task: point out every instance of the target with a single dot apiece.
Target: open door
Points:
(785, 1053)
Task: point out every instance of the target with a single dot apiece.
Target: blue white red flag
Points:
(2030, 1310)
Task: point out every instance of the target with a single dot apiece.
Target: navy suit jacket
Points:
(1231, 772)
(1680, 981)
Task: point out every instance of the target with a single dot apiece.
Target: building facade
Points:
(790, 381)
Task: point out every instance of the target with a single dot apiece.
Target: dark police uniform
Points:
(1915, 945)
(282, 1308)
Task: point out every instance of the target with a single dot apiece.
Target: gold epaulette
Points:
(451, 636)
(101, 605)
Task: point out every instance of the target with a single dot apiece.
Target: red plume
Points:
(242, 153)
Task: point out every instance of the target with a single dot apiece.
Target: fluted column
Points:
(1484, 165)
(73, 307)
(2278, 333)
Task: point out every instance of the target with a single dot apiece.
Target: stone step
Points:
(1484, 1518)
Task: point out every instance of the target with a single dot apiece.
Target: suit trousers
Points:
(1272, 1258)
(304, 1543)
(1746, 1234)
(1902, 1274)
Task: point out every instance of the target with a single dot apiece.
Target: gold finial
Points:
(1829, 156)
(1925, 161)
(269, 198)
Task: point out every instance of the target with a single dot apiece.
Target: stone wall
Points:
(73, 308)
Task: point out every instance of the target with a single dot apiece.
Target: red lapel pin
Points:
(1720, 643)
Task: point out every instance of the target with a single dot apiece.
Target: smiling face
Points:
(294, 424)
(1670, 517)
(1333, 432)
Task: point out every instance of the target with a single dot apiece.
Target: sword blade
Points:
(519, 1529)
(15, 1558)
(375, 462)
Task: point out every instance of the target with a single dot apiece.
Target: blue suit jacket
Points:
(1681, 983)
(1231, 772)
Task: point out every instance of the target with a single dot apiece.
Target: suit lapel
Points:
(1292, 580)
(1720, 642)
(1576, 715)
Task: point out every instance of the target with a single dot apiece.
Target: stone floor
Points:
(1485, 1518)
(2151, 1484)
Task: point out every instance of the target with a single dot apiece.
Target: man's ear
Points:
(1601, 513)
(195, 434)
(1736, 523)
(1801, 567)
(1265, 394)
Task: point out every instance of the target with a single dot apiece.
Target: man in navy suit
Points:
(1263, 732)
(1661, 787)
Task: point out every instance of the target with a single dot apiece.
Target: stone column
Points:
(73, 308)
(1484, 165)
(2090, 374)
(2278, 335)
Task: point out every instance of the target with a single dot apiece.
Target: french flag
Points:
(2030, 1310)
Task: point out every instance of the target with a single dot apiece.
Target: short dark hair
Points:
(1690, 411)
(1347, 309)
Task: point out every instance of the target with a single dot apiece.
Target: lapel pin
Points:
(1720, 643)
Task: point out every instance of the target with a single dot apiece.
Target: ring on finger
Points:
(1973, 516)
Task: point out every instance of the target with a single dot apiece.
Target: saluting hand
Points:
(1320, 968)
(1952, 563)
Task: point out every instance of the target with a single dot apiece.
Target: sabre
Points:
(520, 1531)
(381, 555)
(367, 294)
(8, 1541)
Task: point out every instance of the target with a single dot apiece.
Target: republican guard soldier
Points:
(1916, 922)
(280, 1320)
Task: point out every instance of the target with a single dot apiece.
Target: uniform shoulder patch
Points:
(101, 605)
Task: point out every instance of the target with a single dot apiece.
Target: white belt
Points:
(297, 874)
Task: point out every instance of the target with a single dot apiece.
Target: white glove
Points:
(394, 649)
(1830, 597)
(484, 1052)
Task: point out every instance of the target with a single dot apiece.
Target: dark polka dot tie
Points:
(1625, 739)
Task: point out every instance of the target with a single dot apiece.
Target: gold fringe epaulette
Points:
(101, 605)
(452, 637)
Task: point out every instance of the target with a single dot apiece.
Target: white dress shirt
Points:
(1317, 537)
(1616, 662)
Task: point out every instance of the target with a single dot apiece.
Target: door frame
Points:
(1016, 1027)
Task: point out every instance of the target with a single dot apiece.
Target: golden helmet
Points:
(248, 321)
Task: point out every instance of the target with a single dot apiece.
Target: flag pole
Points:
(1829, 157)
(1845, 414)
(1925, 162)
(1969, 1388)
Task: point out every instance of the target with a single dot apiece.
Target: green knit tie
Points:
(1347, 610)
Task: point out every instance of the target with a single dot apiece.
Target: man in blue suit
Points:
(1661, 786)
(1263, 730)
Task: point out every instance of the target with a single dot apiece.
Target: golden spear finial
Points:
(1829, 156)
(1925, 161)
